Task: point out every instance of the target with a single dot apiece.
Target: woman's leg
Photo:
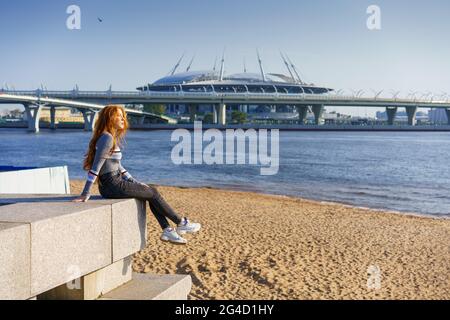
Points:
(116, 187)
(159, 217)
(159, 207)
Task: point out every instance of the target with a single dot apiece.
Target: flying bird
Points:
(99, 19)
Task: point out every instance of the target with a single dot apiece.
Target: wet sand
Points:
(256, 246)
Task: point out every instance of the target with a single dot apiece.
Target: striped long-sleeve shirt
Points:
(105, 161)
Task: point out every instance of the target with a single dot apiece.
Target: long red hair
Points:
(105, 122)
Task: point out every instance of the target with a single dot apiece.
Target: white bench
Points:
(54, 180)
(51, 248)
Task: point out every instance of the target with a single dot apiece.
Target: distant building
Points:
(402, 116)
(15, 114)
(334, 117)
(437, 116)
(62, 115)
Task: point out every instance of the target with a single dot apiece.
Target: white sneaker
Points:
(188, 227)
(169, 234)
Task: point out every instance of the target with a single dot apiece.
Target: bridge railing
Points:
(217, 95)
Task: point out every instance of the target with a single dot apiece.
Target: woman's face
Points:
(119, 120)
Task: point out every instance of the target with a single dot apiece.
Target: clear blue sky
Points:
(139, 41)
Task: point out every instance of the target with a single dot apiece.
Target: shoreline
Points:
(281, 127)
(312, 200)
(318, 201)
(326, 202)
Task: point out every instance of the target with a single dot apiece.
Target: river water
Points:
(402, 171)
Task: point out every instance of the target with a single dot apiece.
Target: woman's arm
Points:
(103, 149)
(125, 174)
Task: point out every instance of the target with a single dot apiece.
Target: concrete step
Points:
(152, 287)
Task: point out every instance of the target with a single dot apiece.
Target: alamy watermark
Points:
(74, 277)
(228, 149)
(374, 277)
(374, 19)
(73, 22)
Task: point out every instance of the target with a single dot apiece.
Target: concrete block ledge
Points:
(14, 261)
(47, 241)
(93, 285)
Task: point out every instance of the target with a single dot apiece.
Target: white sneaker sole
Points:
(167, 239)
(179, 231)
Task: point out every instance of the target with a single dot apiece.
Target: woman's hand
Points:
(81, 199)
(143, 184)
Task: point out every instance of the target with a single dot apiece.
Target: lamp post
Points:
(395, 94)
(412, 94)
(376, 93)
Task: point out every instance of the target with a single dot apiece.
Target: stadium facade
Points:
(216, 81)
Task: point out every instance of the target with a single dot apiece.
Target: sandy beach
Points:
(256, 246)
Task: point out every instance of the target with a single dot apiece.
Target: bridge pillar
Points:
(302, 114)
(411, 112)
(52, 117)
(192, 112)
(33, 113)
(90, 117)
(215, 116)
(318, 112)
(141, 120)
(447, 111)
(222, 114)
(391, 112)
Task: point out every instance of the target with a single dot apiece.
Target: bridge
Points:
(95, 100)
(33, 104)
